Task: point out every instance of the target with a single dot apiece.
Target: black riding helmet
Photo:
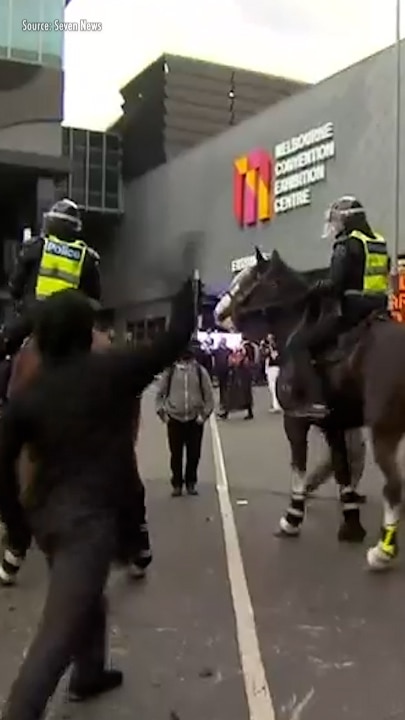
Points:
(344, 216)
(63, 220)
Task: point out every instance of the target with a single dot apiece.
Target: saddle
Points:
(350, 341)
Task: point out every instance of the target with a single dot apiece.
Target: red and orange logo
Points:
(397, 301)
(252, 188)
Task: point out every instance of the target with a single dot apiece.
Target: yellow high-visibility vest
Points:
(61, 266)
(376, 272)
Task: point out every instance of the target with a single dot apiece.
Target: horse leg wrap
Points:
(350, 505)
(389, 540)
(290, 523)
(351, 530)
(388, 543)
(382, 555)
(10, 566)
(142, 556)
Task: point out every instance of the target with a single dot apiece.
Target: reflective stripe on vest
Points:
(61, 266)
(376, 274)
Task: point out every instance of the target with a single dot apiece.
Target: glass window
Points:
(52, 41)
(111, 201)
(79, 139)
(95, 199)
(4, 15)
(96, 148)
(78, 195)
(30, 44)
(25, 43)
(95, 178)
(79, 173)
(113, 142)
(96, 141)
(113, 160)
(111, 182)
(79, 155)
(96, 156)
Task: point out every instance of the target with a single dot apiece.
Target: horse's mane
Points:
(292, 285)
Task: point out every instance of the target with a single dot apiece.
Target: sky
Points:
(303, 39)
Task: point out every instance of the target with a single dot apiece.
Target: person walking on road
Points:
(185, 401)
(77, 420)
(272, 370)
(221, 366)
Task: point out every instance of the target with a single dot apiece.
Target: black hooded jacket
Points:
(78, 421)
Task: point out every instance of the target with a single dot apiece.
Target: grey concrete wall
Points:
(194, 192)
(44, 138)
(31, 109)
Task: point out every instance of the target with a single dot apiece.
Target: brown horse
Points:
(26, 365)
(365, 383)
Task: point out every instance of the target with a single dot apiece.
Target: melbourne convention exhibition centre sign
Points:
(269, 184)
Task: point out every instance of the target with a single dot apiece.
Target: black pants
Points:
(73, 623)
(133, 533)
(184, 436)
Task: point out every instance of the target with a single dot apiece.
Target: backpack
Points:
(170, 378)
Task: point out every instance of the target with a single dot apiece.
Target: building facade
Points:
(265, 182)
(95, 184)
(95, 178)
(31, 112)
(177, 103)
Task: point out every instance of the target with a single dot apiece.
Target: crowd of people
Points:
(236, 368)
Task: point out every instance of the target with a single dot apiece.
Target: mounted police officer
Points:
(358, 282)
(56, 260)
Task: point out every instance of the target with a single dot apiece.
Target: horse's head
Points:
(269, 284)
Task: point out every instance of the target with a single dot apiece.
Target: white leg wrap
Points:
(299, 483)
(6, 578)
(391, 514)
(288, 529)
(135, 572)
(378, 560)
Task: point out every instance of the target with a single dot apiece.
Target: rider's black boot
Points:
(314, 407)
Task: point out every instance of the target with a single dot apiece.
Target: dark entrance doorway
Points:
(18, 200)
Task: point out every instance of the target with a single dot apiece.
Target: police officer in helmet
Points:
(56, 260)
(358, 282)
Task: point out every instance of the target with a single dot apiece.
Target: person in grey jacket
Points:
(184, 401)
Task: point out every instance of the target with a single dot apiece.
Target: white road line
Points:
(257, 690)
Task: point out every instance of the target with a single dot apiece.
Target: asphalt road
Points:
(331, 635)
